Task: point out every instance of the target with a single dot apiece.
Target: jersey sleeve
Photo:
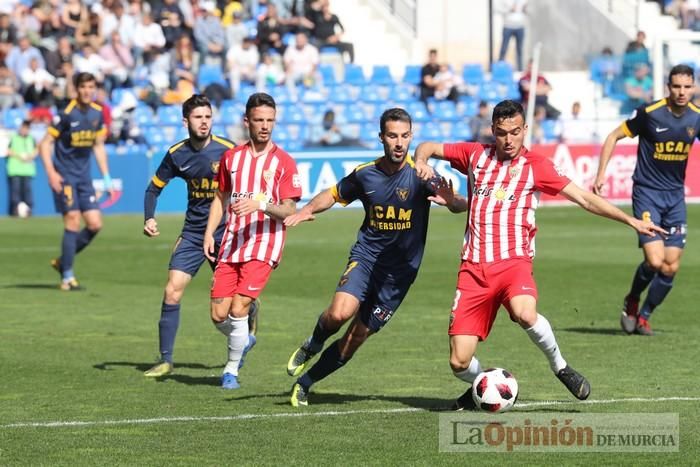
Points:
(548, 177)
(459, 155)
(224, 174)
(290, 183)
(58, 127)
(101, 126)
(635, 124)
(347, 190)
(166, 172)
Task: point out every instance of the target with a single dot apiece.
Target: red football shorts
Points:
(482, 288)
(247, 279)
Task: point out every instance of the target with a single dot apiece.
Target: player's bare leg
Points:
(332, 359)
(659, 288)
(343, 307)
(465, 366)
(523, 309)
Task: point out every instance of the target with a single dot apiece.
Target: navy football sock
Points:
(84, 238)
(68, 253)
(329, 362)
(659, 288)
(167, 329)
(642, 276)
(319, 336)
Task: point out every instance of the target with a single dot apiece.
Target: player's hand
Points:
(424, 171)
(108, 185)
(245, 206)
(56, 182)
(444, 192)
(298, 217)
(209, 247)
(598, 187)
(150, 228)
(647, 228)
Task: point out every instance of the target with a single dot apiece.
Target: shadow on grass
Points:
(430, 404)
(53, 286)
(106, 366)
(582, 330)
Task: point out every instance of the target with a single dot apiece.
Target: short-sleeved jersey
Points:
(75, 133)
(199, 169)
(392, 235)
(503, 199)
(269, 177)
(664, 144)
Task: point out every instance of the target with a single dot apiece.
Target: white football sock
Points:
(543, 337)
(470, 374)
(237, 340)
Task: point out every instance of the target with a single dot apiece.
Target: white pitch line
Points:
(332, 413)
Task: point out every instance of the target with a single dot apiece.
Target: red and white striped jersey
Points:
(503, 200)
(269, 177)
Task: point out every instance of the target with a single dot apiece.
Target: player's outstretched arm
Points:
(423, 152)
(599, 206)
(605, 153)
(318, 203)
(216, 212)
(45, 148)
(446, 196)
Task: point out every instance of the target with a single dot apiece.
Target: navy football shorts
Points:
(76, 196)
(666, 209)
(188, 255)
(379, 295)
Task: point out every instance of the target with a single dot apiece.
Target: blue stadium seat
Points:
(490, 92)
(354, 75)
(155, 137)
(431, 131)
(445, 111)
(381, 75)
(412, 74)
(231, 112)
(169, 115)
(327, 74)
(402, 93)
(292, 114)
(502, 72)
(418, 111)
(280, 134)
(12, 119)
(340, 94)
(550, 130)
(355, 114)
(370, 94)
(143, 116)
(473, 73)
(461, 131)
(210, 74)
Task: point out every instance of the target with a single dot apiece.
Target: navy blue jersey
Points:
(75, 133)
(392, 236)
(199, 169)
(664, 144)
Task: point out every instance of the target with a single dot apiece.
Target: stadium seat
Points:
(402, 93)
(354, 75)
(502, 72)
(473, 73)
(412, 74)
(143, 116)
(327, 74)
(461, 131)
(169, 115)
(431, 131)
(340, 94)
(371, 94)
(12, 119)
(490, 92)
(210, 74)
(381, 75)
(445, 110)
(355, 114)
(292, 114)
(418, 111)
(550, 128)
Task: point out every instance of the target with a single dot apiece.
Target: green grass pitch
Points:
(77, 359)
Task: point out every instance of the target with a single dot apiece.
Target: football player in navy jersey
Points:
(196, 161)
(666, 130)
(79, 132)
(385, 259)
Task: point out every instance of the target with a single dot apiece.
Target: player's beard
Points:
(194, 136)
(398, 159)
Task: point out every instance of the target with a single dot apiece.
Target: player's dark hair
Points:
(394, 115)
(506, 109)
(196, 100)
(259, 99)
(681, 70)
(83, 77)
